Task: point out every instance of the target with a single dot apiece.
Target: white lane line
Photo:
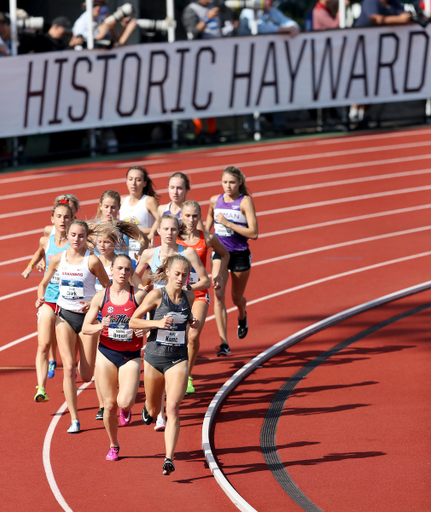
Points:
(301, 228)
(345, 220)
(292, 255)
(343, 244)
(240, 150)
(16, 294)
(46, 452)
(272, 192)
(249, 164)
(20, 340)
(330, 278)
(342, 200)
(16, 260)
(23, 233)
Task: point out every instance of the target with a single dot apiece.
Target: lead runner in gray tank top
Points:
(170, 343)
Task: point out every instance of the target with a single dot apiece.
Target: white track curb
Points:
(230, 384)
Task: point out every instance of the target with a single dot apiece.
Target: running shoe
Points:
(113, 453)
(242, 327)
(146, 418)
(168, 466)
(125, 417)
(223, 350)
(160, 424)
(74, 428)
(51, 369)
(41, 395)
(190, 389)
(99, 415)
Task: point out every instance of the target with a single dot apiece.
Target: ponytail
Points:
(149, 188)
(160, 274)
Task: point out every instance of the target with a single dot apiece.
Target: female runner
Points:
(111, 236)
(165, 360)
(178, 188)
(234, 219)
(77, 271)
(200, 241)
(49, 246)
(140, 207)
(73, 202)
(151, 259)
(118, 360)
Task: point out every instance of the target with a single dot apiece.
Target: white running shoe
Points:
(160, 424)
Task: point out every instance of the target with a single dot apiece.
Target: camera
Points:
(30, 23)
(123, 11)
(242, 4)
(155, 25)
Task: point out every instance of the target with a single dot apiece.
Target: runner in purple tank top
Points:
(234, 219)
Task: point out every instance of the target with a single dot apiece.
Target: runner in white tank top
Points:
(78, 270)
(140, 206)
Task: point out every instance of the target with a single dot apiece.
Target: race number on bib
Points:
(72, 290)
(193, 277)
(55, 279)
(134, 245)
(120, 332)
(221, 230)
(173, 338)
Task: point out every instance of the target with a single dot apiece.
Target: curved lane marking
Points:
(248, 368)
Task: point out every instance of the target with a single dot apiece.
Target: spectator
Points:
(325, 15)
(4, 36)
(382, 12)
(269, 21)
(203, 20)
(56, 39)
(80, 27)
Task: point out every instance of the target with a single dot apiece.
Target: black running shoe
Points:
(223, 350)
(99, 415)
(168, 466)
(242, 327)
(146, 418)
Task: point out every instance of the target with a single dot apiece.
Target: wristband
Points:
(205, 20)
(32, 264)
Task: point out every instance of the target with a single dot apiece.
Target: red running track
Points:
(342, 221)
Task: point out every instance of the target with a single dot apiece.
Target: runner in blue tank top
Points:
(234, 218)
(166, 358)
(49, 246)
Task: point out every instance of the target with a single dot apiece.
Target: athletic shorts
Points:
(52, 305)
(162, 363)
(119, 357)
(239, 261)
(204, 298)
(75, 320)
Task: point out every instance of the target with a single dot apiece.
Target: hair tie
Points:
(64, 201)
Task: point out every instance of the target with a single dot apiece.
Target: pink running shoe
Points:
(113, 453)
(125, 417)
(160, 424)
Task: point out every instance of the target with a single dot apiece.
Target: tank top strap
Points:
(132, 296)
(106, 298)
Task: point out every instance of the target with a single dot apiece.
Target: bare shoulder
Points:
(152, 202)
(47, 231)
(213, 200)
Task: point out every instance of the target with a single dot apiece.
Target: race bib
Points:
(120, 332)
(193, 277)
(221, 230)
(55, 278)
(72, 290)
(172, 338)
(134, 245)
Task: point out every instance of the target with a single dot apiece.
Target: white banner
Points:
(160, 82)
